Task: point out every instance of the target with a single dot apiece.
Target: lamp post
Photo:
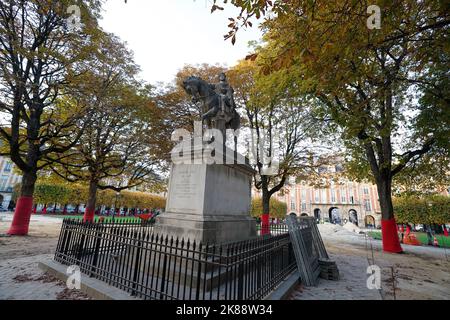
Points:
(428, 229)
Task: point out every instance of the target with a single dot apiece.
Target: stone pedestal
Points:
(210, 203)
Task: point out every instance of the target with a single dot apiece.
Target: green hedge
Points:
(432, 209)
(73, 193)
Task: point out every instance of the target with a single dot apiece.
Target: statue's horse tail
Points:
(235, 122)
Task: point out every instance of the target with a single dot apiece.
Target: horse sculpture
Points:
(215, 106)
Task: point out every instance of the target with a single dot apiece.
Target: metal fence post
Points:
(97, 248)
(240, 293)
(163, 277)
(136, 267)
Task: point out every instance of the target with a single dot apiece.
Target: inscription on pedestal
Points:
(184, 189)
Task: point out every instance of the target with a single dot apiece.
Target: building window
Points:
(351, 195)
(316, 196)
(333, 196)
(343, 196)
(367, 205)
(324, 195)
(303, 206)
(322, 170)
(3, 182)
(366, 191)
(293, 198)
(8, 167)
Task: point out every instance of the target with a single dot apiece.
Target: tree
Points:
(378, 86)
(427, 175)
(47, 193)
(272, 111)
(277, 208)
(39, 59)
(117, 150)
(429, 209)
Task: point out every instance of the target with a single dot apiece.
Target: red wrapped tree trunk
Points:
(21, 219)
(265, 227)
(90, 208)
(391, 243)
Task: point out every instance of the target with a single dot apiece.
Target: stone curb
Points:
(94, 288)
(284, 290)
(98, 290)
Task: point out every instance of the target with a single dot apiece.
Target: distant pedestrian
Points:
(408, 230)
(445, 230)
(402, 232)
(429, 234)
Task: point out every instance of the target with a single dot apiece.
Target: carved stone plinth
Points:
(209, 202)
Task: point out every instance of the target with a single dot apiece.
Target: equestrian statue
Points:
(218, 107)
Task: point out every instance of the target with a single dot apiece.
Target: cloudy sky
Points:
(165, 35)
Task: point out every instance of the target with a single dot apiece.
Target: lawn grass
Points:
(421, 236)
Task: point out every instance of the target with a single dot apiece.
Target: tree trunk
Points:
(265, 224)
(90, 208)
(391, 242)
(24, 207)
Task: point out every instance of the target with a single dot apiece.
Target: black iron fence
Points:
(132, 257)
(272, 229)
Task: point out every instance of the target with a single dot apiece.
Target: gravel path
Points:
(419, 273)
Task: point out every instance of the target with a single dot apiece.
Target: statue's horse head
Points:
(190, 85)
(197, 87)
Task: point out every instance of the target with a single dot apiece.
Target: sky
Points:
(167, 34)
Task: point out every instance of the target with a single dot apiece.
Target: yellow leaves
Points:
(131, 199)
(278, 209)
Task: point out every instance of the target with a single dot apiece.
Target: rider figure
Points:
(226, 92)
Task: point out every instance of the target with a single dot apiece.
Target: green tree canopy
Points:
(431, 209)
(278, 209)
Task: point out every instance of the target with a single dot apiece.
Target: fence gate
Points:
(304, 244)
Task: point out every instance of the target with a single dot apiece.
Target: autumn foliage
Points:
(431, 209)
(75, 194)
(277, 208)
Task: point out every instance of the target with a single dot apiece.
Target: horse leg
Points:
(211, 113)
(235, 122)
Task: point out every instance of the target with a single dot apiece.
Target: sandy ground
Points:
(420, 273)
(42, 238)
(20, 276)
